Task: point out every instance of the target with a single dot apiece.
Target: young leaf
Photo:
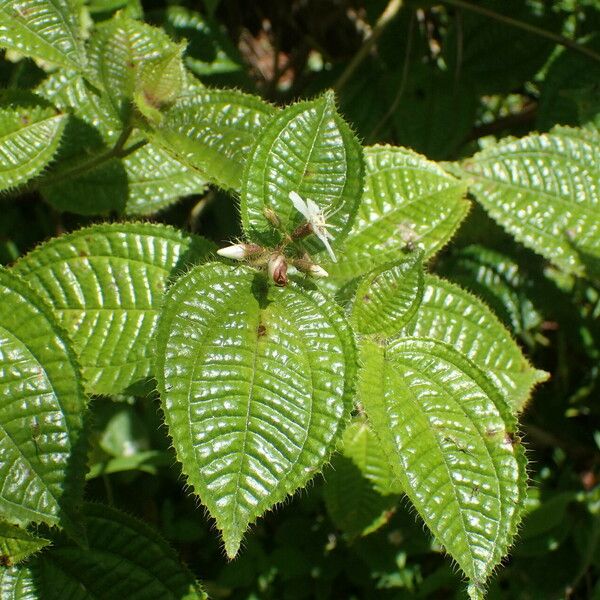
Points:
(119, 50)
(256, 383)
(450, 438)
(125, 559)
(408, 201)
(29, 138)
(360, 490)
(451, 315)
(212, 132)
(41, 413)
(307, 149)
(106, 284)
(17, 544)
(543, 189)
(389, 297)
(45, 29)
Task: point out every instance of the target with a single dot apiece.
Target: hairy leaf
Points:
(408, 201)
(307, 149)
(449, 314)
(361, 489)
(17, 544)
(45, 29)
(156, 180)
(29, 138)
(119, 51)
(543, 189)
(125, 559)
(105, 284)
(41, 413)
(389, 297)
(256, 383)
(212, 132)
(450, 439)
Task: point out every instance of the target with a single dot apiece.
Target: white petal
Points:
(322, 235)
(236, 252)
(313, 208)
(299, 204)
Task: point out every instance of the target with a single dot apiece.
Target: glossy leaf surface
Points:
(42, 448)
(543, 189)
(256, 385)
(310, 150)
(408, 201)
(212, 132)
(450, 438)
(45, 29)
(451, 315)
(105, 284)
(389, 297)
(29, 138)
(125, 559)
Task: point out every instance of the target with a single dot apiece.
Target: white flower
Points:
(314, 215)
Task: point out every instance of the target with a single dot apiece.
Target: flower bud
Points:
(239, 251)
(278, 269)
(307, 266)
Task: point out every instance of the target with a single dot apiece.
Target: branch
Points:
(390, 11)
(555, 37)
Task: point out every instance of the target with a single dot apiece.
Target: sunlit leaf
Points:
(106, 284)
(408, 202)
(17, 544)
(41, 413)
(310, 150)
(543, 189)
(451, 441)
(45, 29)
(256, 383)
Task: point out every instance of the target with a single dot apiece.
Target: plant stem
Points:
(555, 37)
(389, 12)
(117, 151)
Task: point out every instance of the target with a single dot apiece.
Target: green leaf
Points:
(106, 284)
(156, 180)
(212, 132)
(125, 559)
(29, 139)
(256, 383)
(543, 189)
(308, 149)
(436, 113)
(17, 544)
(451, 315)
(389, 297)
(407, 201)
(500, 281)
(450, 439)
(119, 50)
(570, 94)
(42, 409)
(45, 29)
(361, 490)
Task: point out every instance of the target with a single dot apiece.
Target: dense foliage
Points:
(310, 286)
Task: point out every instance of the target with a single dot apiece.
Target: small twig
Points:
(555, 37)
(524, 117)
(394, 105)
(390, 11)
